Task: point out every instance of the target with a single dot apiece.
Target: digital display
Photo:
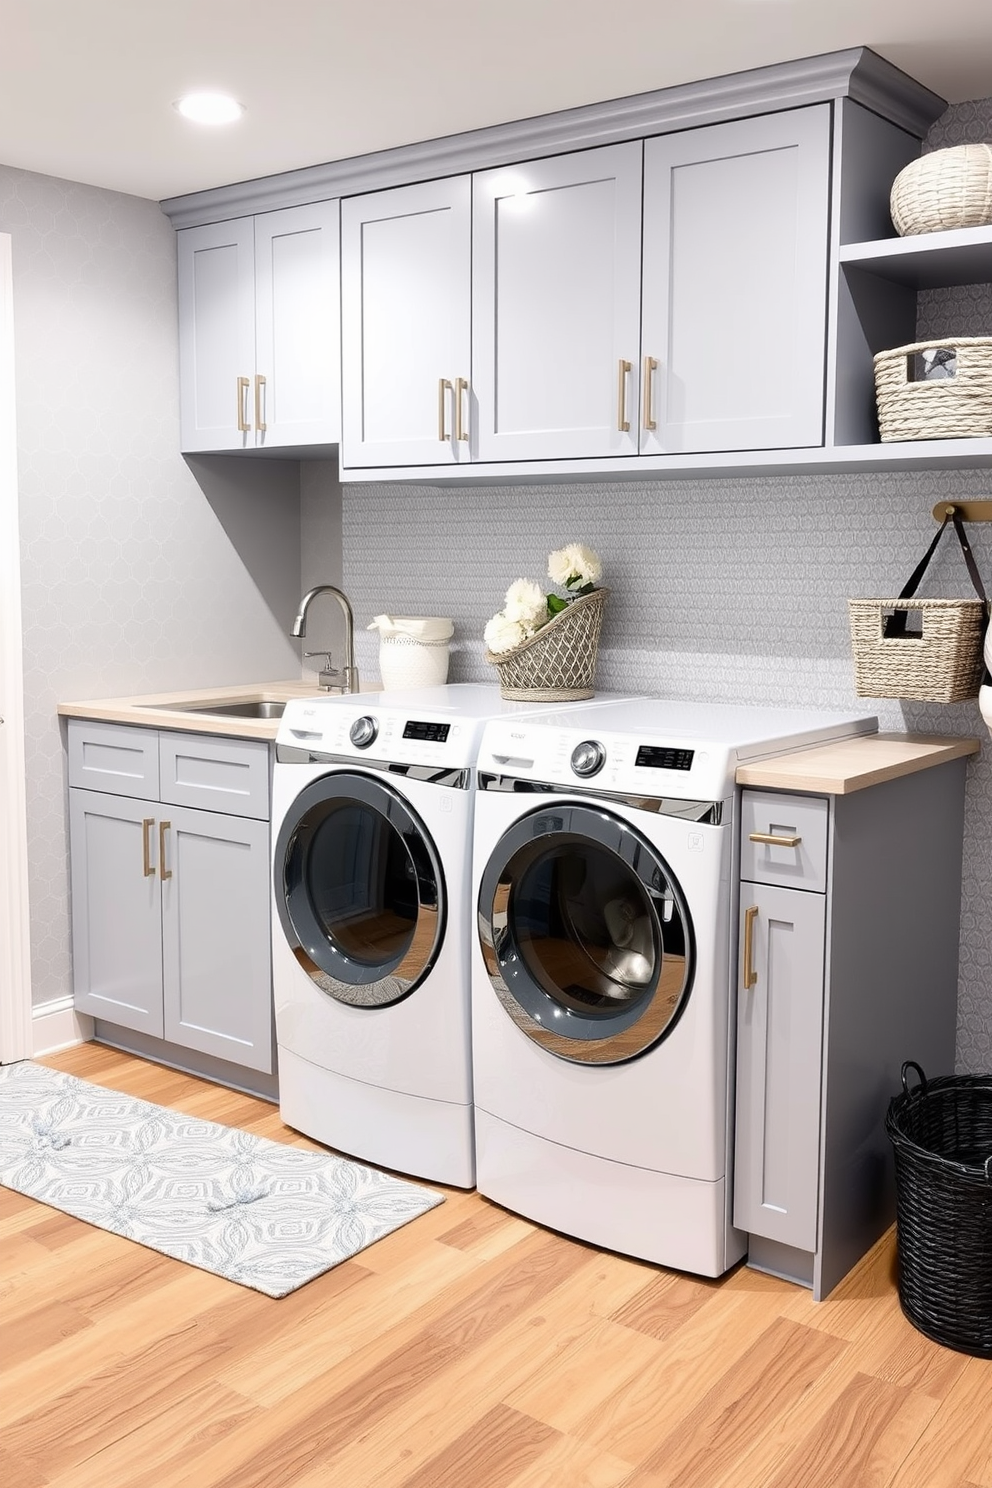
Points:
(661, 757)
(428, 733)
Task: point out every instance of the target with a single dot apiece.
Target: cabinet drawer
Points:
(779, 814)
(114, 758)
(228, 775)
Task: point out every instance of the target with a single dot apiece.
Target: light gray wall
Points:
(722, 589)
(140, 572)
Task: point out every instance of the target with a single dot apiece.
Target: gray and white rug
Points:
(265, 1215)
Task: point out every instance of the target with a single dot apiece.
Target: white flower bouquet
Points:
(527, 608)
(544, 644)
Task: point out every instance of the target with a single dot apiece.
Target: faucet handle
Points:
(327, 672)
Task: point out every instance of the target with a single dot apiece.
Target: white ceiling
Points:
(87, 86)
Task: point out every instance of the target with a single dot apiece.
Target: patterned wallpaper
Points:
(721, 589)
(139, 572)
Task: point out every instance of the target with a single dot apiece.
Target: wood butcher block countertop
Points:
(848, 765)
(153, 710)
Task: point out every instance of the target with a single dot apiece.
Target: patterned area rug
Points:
(259, 1213)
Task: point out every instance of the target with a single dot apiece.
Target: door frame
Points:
(15, 942)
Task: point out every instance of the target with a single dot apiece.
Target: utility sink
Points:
(257, 708)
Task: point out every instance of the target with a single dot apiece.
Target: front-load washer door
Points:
(359, 890)
(585, 934)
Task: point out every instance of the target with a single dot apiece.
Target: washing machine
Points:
(605, 857)
(373, 799)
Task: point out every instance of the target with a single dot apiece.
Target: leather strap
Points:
(895, 625)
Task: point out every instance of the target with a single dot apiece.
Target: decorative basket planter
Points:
(558, 664)
(940, 664)
(941, 1135)
(957, 405)
(945, 189)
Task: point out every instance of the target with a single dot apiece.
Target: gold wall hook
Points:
(968, 511)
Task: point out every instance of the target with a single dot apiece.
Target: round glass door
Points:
(585, 935)
(359, 890)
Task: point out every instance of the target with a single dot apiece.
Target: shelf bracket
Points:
(968, 511)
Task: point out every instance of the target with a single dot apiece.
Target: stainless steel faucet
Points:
(349, 672)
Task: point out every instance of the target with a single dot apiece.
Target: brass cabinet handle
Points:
(650, 367)
(750, 975)
(774, 839)
(146, 847)
(623, 422)
(442, 385)
(461, 386)
(163, 872)
(244, 383)
(260, 423)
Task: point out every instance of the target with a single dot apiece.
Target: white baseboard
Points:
(56, 1025)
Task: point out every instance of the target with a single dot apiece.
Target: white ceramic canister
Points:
(413, 650)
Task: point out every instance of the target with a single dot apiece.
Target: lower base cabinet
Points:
(170, 903)
(848, 966)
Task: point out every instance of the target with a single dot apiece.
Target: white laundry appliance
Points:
(373, 798)
(605, 857)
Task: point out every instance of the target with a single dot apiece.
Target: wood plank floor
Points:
(470, 1349)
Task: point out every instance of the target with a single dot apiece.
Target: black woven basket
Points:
(941, 1134)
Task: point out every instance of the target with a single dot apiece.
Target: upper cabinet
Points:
(556, 263)
(688, 281)
(405, 324)
(258, 331)
(735, 284)
(578, 350)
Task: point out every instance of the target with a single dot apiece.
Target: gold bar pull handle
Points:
(650, 367)
(775, 839)
(461, 387)
(163, 872)
(147, 866)
(244, 383)
(443, 386)
(623, 371)
(260, 423)
(750, 975)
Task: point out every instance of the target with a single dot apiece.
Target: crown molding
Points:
(857, 73)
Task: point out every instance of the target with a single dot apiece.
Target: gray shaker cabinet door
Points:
(296, 392)
(116, 916)
(406, 308)
(735, 284)
(215, 928)
(779, 1047)
(217, 335)
(556, 261)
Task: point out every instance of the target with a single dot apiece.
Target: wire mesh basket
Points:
(558, 663)
(941, 1135)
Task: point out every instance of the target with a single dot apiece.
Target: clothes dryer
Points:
(605, 857)
(373, 799)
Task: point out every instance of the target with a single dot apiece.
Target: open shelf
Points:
(927, 260)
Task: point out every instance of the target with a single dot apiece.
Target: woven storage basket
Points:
(558, 664)
(941, 1135)
(958, 407)
(945, 189)
(940, 663)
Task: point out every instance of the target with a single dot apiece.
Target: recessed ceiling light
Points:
(209, 108)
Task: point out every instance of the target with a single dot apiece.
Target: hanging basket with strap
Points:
(925, 649)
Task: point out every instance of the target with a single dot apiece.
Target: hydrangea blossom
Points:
(574, 565)
(526, 602)
(502, 634)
